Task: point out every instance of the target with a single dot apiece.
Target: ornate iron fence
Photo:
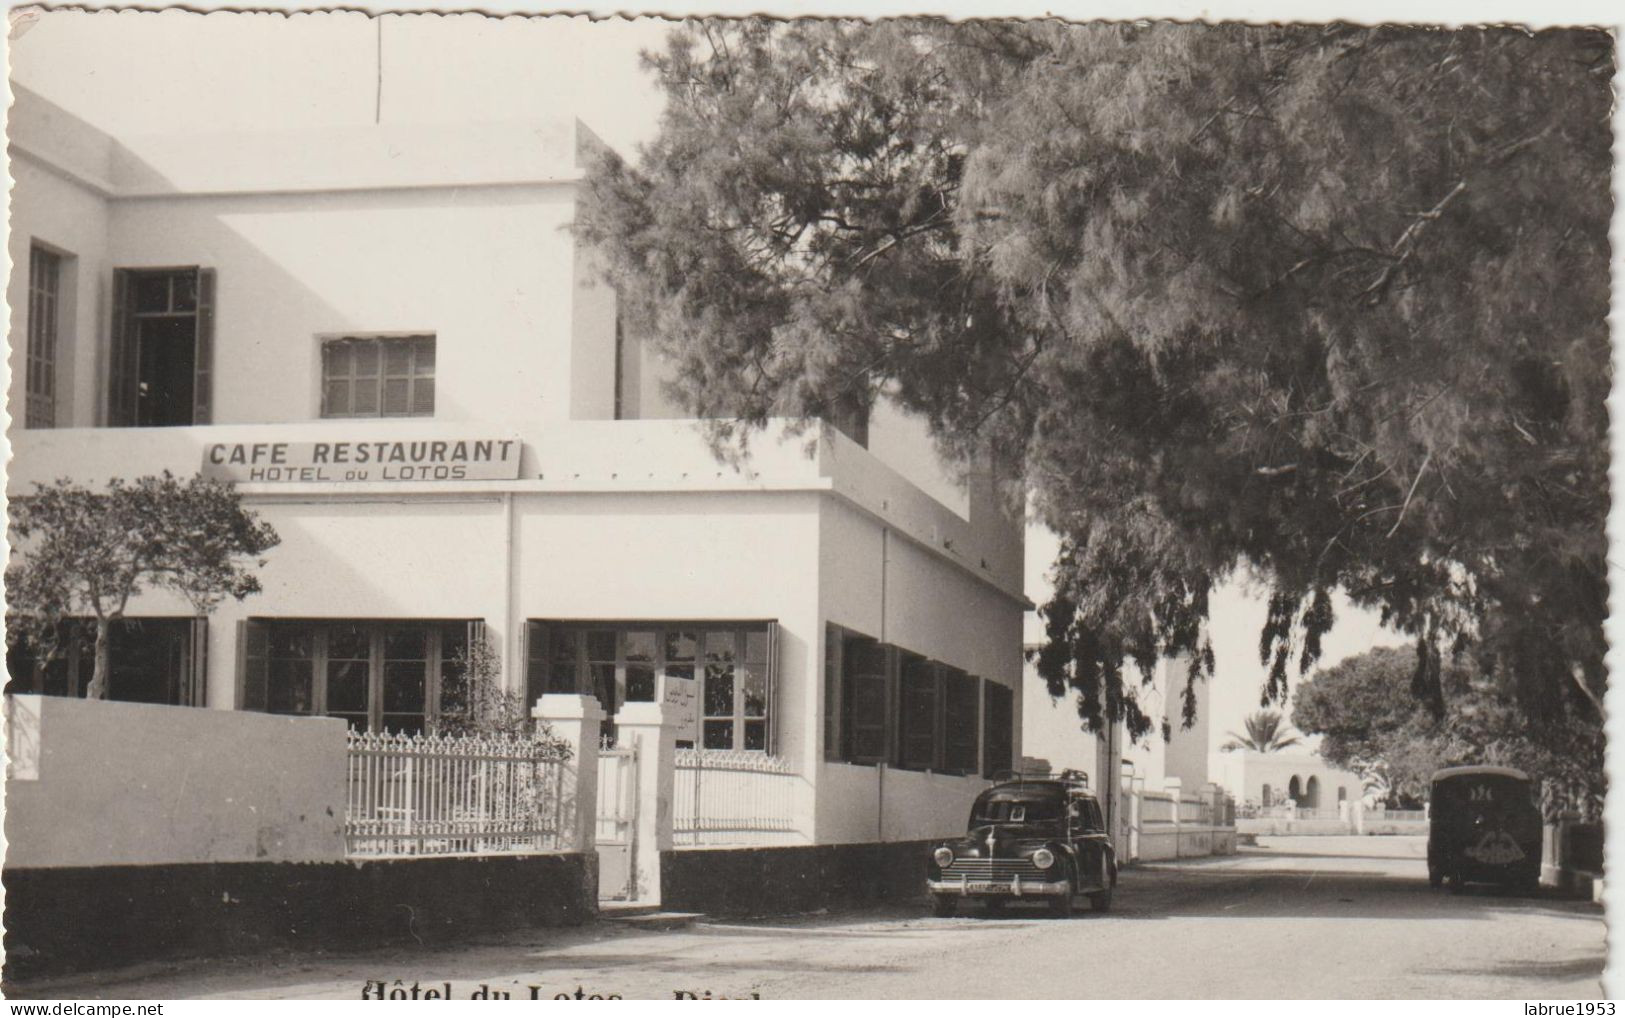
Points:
(445, 795)
(734, 797)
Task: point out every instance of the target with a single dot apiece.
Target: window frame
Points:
(951, 688)
(76, 656)
(327, 345)
(377, 632)
(123, 408)
(44, 334)
(540, 664)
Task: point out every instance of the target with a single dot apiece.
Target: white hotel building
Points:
(389, 339)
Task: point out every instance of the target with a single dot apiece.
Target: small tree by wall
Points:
(78, 552)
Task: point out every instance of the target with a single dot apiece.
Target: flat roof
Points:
(358, 158)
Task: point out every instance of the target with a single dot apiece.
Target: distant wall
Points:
(1282, 825)
(98, 783)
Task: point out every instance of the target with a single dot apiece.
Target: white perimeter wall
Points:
(96, 783)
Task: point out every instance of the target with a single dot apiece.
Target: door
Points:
(1089, 841)
(617, 823)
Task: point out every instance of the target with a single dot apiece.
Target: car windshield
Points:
(1017, 811)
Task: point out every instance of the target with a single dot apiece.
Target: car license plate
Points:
(985, 887)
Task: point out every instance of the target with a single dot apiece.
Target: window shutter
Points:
(772, 746)
(121, 356)
(252, 664)
(196, 673)
(537, 665)
(832, 691)
(203, 364)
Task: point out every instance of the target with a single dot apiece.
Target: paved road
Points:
(1294, 917)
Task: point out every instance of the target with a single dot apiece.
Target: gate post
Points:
(652, 728)
(575, 719)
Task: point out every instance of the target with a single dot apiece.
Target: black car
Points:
(1027, 839)
(1483, 827)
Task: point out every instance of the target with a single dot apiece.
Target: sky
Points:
(348, 69)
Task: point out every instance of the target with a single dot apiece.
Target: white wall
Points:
(73, 220)
(889, 587)
(488, 272)
(1246, 772)
(96, 783)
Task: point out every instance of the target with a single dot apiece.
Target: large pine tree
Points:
(1326, 303)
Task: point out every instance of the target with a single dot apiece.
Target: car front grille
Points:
(991, 869)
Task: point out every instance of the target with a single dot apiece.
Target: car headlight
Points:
(943, 856)
(1043, 858)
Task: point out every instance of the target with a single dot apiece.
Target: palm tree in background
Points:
(1266, 733)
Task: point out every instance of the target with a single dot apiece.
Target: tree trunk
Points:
(97, 690)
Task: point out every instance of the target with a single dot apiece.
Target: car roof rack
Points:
(1070, 775)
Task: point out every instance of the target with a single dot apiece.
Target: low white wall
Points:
(96, 783)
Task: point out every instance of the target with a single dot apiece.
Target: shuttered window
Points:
(888, 704)
(961, 715)
(998, 729)
(44, 317)
(866, 671)
(378, 376)
(917, 716)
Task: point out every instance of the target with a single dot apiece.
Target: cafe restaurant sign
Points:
(484, 459)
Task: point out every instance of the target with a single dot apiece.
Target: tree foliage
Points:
(474, 702)
(78, 552)
(1267, 732)
(1370, 723)
(1326, 303)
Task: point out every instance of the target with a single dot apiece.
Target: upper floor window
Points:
(378, 376)
(163, 347)
(44, 317)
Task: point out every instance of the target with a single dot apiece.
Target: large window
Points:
(163, 347)
(378, 376)
(620, 662)
(377, 675)
(887, 704)
(150, 660)
(44, 319)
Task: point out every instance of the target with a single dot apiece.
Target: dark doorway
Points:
(167, 366)
(163, 342)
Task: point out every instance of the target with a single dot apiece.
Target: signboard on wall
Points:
(683, 694)
(483, 459)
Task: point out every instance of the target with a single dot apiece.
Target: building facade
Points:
(388, 339)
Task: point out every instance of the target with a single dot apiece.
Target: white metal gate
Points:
(617, 823)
